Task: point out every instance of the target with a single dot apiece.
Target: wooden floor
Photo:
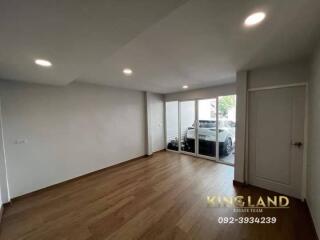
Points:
(162, 197)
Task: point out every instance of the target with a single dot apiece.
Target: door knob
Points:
(297, 144)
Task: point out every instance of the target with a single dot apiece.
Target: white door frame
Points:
(305, 140)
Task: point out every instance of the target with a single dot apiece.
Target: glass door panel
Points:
(227, 128)
(187, 126)
(172, 125)
(207, 113)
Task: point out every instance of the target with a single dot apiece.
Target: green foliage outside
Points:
(226, 103)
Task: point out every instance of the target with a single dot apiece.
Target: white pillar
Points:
(148, 124)
(4, 188)
(241, 129)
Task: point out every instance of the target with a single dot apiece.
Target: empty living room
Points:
(149, 119)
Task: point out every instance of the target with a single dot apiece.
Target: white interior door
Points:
(276, 131)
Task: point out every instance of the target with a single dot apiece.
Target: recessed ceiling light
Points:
(185, 86)
(43, 62)
(127, 71)
(254, 19)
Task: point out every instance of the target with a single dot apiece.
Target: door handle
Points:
(297, 144)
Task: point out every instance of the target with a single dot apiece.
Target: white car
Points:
(207, 137)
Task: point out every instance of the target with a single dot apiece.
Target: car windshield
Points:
(212, 124)
(207, 124)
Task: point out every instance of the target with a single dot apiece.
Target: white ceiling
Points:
(167, 43)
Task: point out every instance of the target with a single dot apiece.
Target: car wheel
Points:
(227, 146)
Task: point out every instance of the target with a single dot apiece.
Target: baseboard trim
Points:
(72, 180)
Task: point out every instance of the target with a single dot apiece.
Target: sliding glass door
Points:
(172, 125)
(227, 128)
(187, 126)
(207, 119)
(204, 127)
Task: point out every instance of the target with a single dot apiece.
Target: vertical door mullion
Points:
(196, 137)
(165, 125)
(179, 126)
(217, 129)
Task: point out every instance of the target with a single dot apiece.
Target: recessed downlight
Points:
(185, 86)
(254, 19)
(127, 71)
(43, 62)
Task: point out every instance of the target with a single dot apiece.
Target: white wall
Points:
(280, 74)
(53, 134)
(313, 164)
